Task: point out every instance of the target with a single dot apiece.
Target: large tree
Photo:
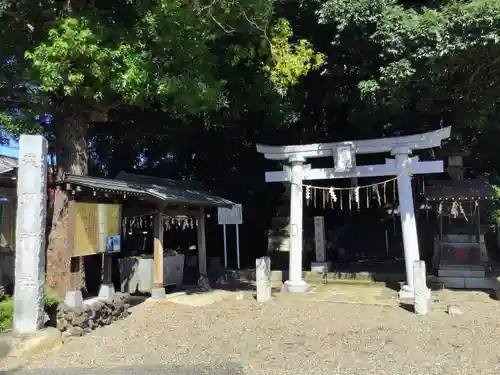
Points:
(77, 60)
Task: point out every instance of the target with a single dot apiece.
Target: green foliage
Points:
(161, 53)
(493, 207)
(446, 53)
(6, 314)
(7, 309)
(290, 61)
(51, 300)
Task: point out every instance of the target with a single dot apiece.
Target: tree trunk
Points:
(72, 158)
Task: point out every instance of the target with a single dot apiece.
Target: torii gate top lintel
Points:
(367, 146)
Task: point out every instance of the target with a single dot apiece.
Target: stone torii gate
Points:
(343, 153)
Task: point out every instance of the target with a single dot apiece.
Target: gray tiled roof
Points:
(170, 191)
(7, 164)
(459, 190)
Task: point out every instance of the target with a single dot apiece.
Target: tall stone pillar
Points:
(295, 282)
(30, 234)
(408, 223)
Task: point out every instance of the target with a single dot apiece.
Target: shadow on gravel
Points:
(230, 368)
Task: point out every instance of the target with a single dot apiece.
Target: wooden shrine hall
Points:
(152, 196)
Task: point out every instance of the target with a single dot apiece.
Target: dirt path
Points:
(297, 334)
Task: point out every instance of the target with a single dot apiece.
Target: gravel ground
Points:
(291, 335)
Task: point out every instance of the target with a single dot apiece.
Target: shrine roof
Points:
(459, 190)
(157, 189)
(7, 164)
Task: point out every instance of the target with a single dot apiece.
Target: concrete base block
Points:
(301, 287)
(158, 293)
(73, 298)
(321, 267)
(106, 291)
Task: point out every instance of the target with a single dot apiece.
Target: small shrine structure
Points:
(157, 198)
(460, 256)
(403, 166)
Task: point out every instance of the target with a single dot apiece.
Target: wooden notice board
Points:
(94, 228)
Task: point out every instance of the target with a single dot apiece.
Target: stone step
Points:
(484, 283)
(463, 272)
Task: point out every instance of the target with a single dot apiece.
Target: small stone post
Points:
(421, 294)
(263, 278)
(30, 234)
(320, 265)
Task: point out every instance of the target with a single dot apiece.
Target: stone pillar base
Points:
(204, 283)
(158, 293)
(295, 287)
(73, 298)
(321, 267)
(106, 291)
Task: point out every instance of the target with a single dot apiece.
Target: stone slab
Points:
(321, 267)
(29, 314)
(355, 295)
(319, 238)
(444, 272)
(468, 282)
(479, 283)
(200, 299)
(453, 282)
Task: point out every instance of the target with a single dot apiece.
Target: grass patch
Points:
(51, 301)
(6, 314)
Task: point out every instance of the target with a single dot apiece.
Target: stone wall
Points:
(99, 313)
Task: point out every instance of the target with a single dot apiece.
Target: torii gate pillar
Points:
(407, 211)
(295, 282)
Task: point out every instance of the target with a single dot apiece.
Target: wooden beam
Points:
(181, 211)
(158, 251)
(202, 243)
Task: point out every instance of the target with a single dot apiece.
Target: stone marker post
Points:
(263, 278)
(421, 294)
(320, 265)
(30, 234)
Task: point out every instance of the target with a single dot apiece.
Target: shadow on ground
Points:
(230, 368)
